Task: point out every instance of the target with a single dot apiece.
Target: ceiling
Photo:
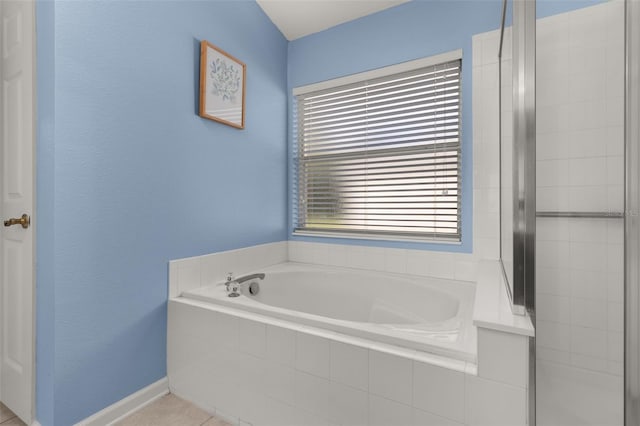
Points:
(298, 18)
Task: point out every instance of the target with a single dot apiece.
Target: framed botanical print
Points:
(222, 86)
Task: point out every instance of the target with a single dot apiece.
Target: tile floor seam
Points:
(13, 418)
(205, 422)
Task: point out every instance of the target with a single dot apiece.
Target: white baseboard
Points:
(128, 405)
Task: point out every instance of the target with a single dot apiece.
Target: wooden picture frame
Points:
(222, 86)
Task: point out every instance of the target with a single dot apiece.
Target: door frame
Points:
(632, 220)
(31, 23)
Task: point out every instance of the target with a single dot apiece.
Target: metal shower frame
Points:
(523, 294)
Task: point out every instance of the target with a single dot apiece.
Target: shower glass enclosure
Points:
(569, 183)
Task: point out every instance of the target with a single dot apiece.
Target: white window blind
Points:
(381, 157)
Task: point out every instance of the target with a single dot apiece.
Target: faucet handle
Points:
(229, 284)
(233, 286)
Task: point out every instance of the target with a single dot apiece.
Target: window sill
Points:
(342, 235)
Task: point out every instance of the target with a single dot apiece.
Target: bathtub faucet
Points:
(249, 277)
(233, 285)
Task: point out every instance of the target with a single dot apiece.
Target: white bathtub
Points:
(426, 314)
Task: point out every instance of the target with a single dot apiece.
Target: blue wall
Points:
(130, 177)
(417, 29)
(546, 8)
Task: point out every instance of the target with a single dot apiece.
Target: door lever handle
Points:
(24, 221)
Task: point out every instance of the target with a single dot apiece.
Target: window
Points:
(378, 156)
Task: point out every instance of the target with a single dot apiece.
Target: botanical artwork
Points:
(225, 79)
(222, 83)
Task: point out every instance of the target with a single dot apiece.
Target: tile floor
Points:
(7, 418)
(166, 411)
(170, 411)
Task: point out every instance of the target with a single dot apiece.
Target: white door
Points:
(17, 22)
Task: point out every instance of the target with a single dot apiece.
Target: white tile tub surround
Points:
(193, 272)
(579, 270)
(249, 368)
(455, 266)
(297, 375)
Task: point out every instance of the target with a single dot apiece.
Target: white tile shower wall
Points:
(486, 150)
(580, 79)
(280, 378)
(193, 272)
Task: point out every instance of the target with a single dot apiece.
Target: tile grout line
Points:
(206, 420)
(10, 418)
